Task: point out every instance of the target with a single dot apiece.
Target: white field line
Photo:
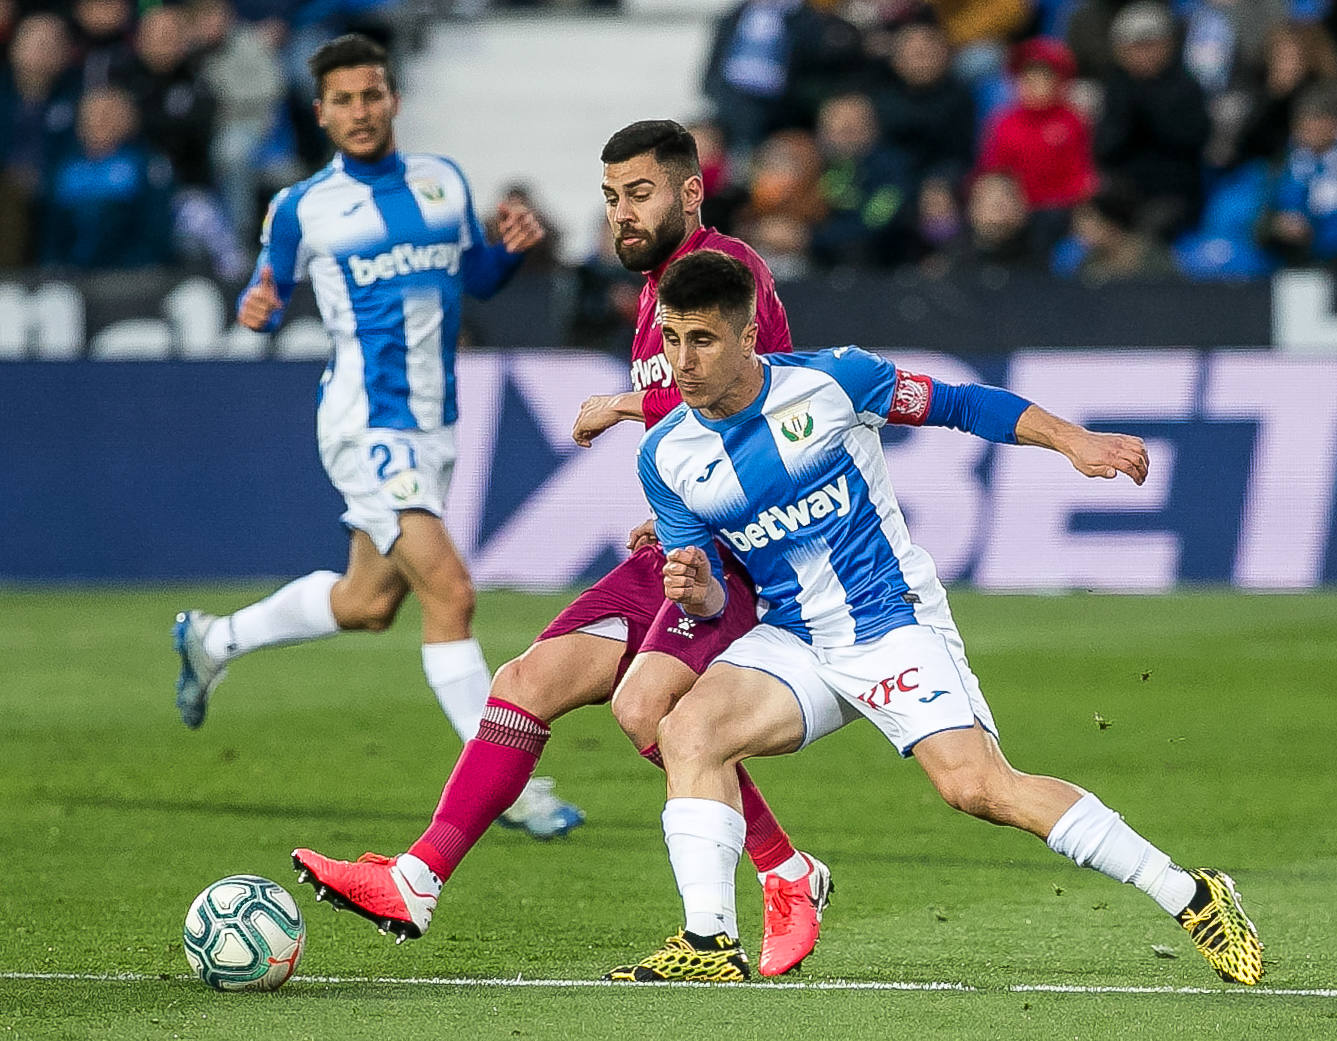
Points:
(893, 985)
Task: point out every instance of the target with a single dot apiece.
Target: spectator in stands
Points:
(1106, 225)
(772, 62)
(102, 39)
(1225, 40)
(177, 109)
(979, 32)
(1304, 223)
(240, 67)
(1297, 55)
(865, 186)
(784, 202)
(108, 204)
(926, 113)
(1155, 126)
(1042, 140)
(999, 234)
(723, 194)
(38, 95)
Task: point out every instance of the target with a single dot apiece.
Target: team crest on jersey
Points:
(429, 191)
(796, 422)
(404, 486)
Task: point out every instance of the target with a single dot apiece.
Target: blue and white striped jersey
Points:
(390, 248)
(796, 485)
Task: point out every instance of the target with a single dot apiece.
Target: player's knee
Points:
(686, 735)
(638, 715)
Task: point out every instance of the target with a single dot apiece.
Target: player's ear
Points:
(693, 193)
(749, 337)
(320, 115)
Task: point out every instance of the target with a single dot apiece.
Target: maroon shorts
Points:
(634, 591)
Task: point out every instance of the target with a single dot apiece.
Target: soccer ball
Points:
(244, 932)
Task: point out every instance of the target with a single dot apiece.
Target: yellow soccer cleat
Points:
(1220, 929)
(687, 956)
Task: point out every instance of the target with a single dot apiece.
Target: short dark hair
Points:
(706, 279)
(673, 146)
(348, 52)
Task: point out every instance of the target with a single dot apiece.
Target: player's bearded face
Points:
(644, 203)
(357, 109)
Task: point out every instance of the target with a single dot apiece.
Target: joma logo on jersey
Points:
(649, 372)
(405, 259)
(775, 523)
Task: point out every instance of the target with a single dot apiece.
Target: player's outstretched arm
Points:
(1093, 454)
(688, 581)
(601, 411)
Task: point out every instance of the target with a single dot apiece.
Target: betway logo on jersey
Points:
(650, 372)
(777, 522)
(405, 259)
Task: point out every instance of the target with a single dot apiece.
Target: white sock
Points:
(422, 878)
(459, 677)
(1092, 835)
(298, 612)
(705, 840)
(796, 867)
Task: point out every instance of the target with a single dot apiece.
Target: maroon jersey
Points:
(650, 370)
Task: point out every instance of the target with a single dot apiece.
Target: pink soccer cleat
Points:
(793, 917)
(372, 886)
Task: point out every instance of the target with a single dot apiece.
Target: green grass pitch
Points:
(1217, 744)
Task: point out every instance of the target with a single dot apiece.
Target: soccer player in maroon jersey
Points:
(620, 638)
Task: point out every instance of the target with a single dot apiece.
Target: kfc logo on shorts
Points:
(910, 402)
(881, 693)
(683, 627)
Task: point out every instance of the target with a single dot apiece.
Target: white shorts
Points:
(380, 472)
(911, 683)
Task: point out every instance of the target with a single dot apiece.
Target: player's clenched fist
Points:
(260, 302)
(688, 581)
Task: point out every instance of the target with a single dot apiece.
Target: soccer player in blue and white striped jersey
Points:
(780, 458)
(391, 243)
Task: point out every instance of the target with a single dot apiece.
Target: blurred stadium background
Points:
(1160, 264)
(875, 152)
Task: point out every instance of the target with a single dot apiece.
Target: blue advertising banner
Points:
(155, 471)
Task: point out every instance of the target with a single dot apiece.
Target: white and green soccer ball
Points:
(244, 932)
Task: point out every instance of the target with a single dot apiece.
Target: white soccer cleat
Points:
(200, 671)
(540, 813)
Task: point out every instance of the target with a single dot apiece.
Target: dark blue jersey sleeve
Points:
(486, 268)
(280, 242)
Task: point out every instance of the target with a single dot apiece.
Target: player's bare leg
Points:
(365, 596)
(971, 773)
(453, 661)
(791, 923)
(730, 714)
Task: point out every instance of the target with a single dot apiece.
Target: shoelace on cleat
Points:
(376, 858)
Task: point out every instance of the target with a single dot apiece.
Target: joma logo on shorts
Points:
(405, 259)
(775, 523)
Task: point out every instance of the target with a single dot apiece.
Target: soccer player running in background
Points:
(390, 243)
(619, 638)
(855, 619)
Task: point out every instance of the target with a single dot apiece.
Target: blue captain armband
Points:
(987, 412)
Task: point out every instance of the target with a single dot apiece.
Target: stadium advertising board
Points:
(178, 470)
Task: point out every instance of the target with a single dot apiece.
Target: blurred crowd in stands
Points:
(1096, 139)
